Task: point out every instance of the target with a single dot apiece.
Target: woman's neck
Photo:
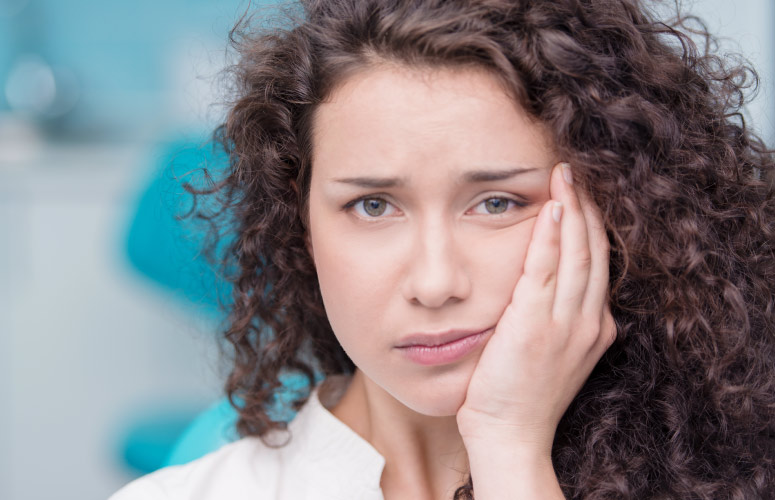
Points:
(424, 456)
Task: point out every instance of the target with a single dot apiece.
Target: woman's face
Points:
(424, 191)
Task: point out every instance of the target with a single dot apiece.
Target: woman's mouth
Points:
(440, 349)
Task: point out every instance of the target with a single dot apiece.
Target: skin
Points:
(433, 256)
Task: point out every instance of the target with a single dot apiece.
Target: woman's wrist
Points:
(507, 469)
(482, 432)
(507, 461)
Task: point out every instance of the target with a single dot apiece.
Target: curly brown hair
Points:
(683, 404)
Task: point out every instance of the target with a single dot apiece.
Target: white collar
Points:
(333, 447)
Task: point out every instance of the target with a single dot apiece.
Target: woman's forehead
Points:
(389, 116)
(385, 86)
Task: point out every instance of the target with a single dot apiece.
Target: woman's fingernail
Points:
(566, 173)
(557, 211)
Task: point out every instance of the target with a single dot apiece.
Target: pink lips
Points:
(439, 349)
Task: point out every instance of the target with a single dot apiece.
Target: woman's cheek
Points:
(501, 257)
(356, 276)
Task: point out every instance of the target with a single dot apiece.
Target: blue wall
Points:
(121, 53)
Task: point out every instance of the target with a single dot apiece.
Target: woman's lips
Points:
(441, 349)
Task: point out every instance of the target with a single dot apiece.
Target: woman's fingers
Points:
(596, 296)
(534, 293)
(581, 293)
(574, 266)
(595, 302)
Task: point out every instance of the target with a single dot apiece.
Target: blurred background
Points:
(107, 326)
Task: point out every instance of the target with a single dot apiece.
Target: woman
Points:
(528, 244)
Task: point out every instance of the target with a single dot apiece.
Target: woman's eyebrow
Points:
(494, 175)
(472, 176)
(373, 182)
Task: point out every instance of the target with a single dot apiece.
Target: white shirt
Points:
(323, 459)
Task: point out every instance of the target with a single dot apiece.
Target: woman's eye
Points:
(495, 206)
(372, 207)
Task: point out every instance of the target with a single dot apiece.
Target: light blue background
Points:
(124, 55)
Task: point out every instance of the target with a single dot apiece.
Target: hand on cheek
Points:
(553, 332)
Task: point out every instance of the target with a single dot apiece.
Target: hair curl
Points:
(683, 404)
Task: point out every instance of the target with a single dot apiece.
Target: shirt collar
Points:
(333, 447)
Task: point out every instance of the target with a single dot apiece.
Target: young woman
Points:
(529, 244)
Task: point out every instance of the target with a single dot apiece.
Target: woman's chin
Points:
(440, 396)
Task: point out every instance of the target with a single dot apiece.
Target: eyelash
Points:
(351, 204)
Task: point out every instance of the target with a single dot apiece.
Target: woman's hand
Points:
(551, 335)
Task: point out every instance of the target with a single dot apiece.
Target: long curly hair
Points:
(683, 404)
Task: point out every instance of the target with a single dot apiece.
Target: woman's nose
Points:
(436, 271)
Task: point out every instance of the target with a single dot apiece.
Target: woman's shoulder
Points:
(233, 471)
